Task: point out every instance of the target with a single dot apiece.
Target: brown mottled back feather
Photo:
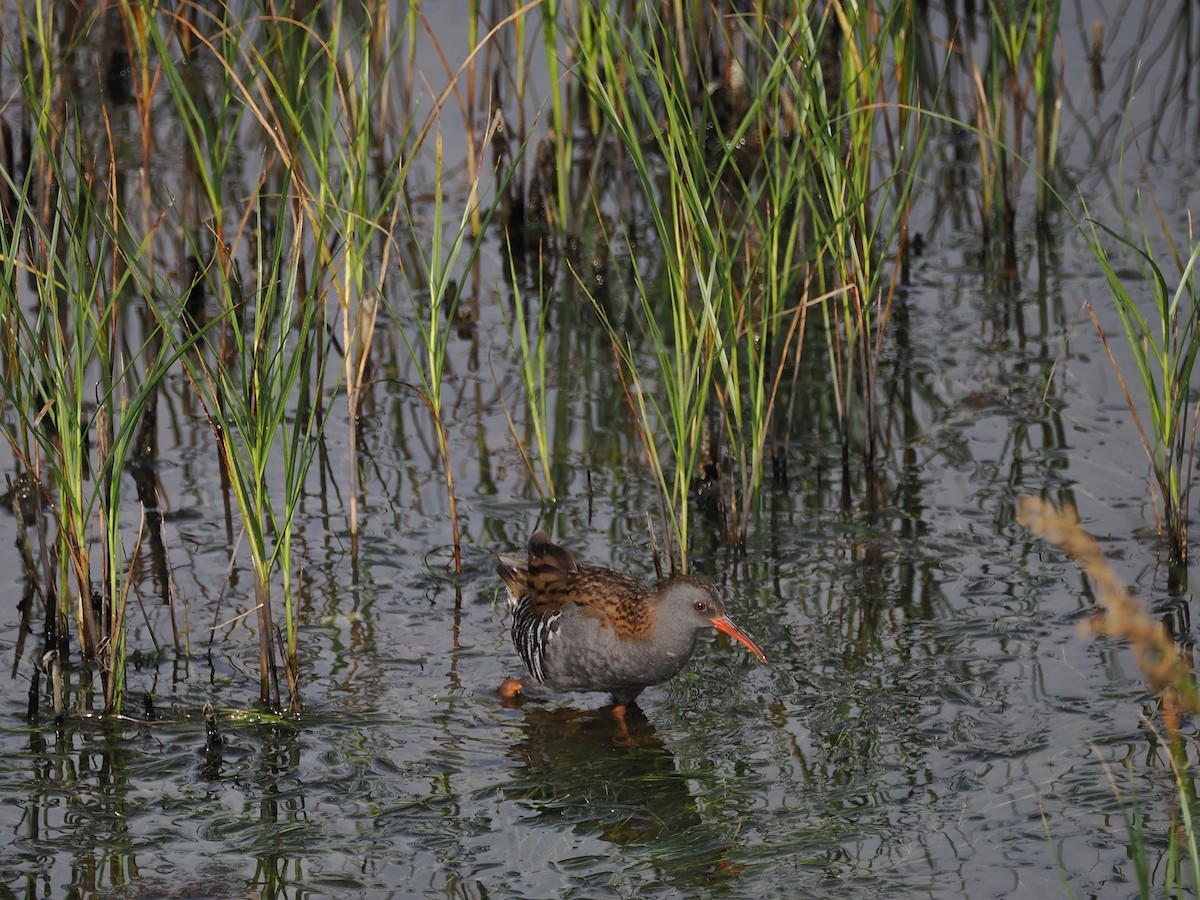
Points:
(551, 578)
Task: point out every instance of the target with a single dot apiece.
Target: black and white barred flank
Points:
(531, 634)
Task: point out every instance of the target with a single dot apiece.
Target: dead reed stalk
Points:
(1168, 674)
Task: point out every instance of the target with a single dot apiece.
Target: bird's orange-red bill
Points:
(725, 624)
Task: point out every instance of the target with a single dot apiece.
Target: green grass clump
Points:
(1163, 341)
(765, 191)
(80, 367)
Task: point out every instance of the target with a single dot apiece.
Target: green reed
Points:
(761, 187)
(1160, 320)
(78, 376)
(307, 239)
(856, 102)
(529, 346)
(1047, 95)
(356, 198)
(674, 401)
(1019, 72)
(1163, 336)
(702, 318)
(766, 162)
(436, 279)
(1179, 871)
(552, 17)
(1183, 857)
(435, 286)
(863, 206)
(435, 304)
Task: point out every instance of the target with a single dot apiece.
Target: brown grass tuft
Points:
(1168, 674)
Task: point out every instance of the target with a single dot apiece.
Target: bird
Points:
(589, 628)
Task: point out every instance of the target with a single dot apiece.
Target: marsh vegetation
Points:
(310, 309)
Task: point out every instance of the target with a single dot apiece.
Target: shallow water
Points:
(931, 723)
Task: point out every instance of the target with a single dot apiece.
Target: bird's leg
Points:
(619, 710)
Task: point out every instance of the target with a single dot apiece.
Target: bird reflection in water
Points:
(612, 776)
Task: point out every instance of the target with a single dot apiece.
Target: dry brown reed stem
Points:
(1168, 674)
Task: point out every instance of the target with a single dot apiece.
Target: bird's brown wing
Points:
(550, 577)
(618, 601)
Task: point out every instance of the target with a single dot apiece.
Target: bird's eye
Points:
(700, 606)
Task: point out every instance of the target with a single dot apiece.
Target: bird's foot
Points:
(511, 692)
